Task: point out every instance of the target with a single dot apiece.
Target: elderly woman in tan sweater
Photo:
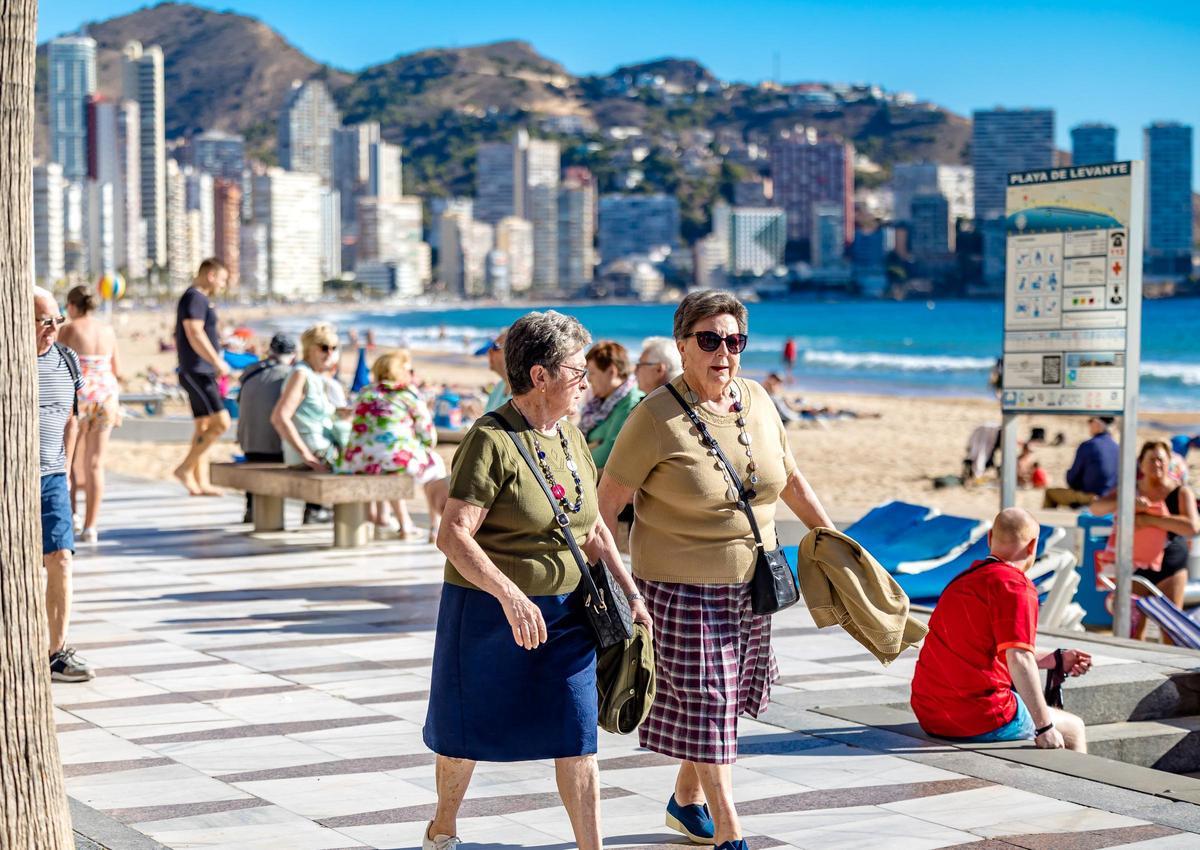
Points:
(694, 554)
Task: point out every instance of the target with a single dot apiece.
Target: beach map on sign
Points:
(1066, 281)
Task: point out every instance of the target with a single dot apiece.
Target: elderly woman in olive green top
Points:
(514, 665)
(694, 554)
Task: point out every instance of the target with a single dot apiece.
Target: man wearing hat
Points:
(1094, 472)
(262, 383)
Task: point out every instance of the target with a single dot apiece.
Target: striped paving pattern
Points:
(268, 692)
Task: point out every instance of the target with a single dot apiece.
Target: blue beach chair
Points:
(926, 541)
(885, 523)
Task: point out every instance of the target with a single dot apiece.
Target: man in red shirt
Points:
(977, 674)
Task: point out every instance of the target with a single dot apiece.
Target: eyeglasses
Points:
(640, 364)
(328, 348)
(577, 373)
(711, 341)
(55, 322)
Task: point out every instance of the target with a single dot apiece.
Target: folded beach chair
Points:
(1183, 630)
(886, 522)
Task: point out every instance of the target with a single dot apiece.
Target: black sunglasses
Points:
(329, 348)
(711, 341)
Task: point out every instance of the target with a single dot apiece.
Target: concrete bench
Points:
(152, 402)
(271, 483)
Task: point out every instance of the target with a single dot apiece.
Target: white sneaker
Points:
(438, 842)
(88, 535)
(77, 521)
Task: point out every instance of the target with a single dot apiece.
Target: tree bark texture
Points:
(33, 804)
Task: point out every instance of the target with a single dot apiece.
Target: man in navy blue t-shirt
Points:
(200, 365)
(1094, 472)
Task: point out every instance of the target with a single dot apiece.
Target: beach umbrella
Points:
(111, 286)
(362, 375)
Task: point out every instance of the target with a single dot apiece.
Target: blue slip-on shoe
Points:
(739, 844)
(694, 821)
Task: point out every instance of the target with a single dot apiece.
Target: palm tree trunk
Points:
(33, 804)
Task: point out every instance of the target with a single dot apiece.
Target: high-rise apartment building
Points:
(637, 224)
(75, 230)
(807, 169)
(254, 259)
(514, 236)
(754, 238)
(179, 255)
(388, 228)
(930, 232)
(1006, 140)
(351, 151)
(500, 179)
(48, 235)
(828, 239)
(576, 231)
(306, 128)
(384, 170)
(227, 226)
(142, 80)
(72, 79)
(1093, 143)
(288, 203)
(219, 154)
(200, 199)
(331, 234)
(462, 259)
(440, 206)
(1168, 152)
(100, 233)
(955, 182)
(114, 158)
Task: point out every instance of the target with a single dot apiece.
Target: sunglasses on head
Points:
(711, 341)
(56, 321)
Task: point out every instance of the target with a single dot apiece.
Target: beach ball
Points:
(111, 286)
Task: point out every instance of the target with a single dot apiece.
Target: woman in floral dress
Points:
(392, 431)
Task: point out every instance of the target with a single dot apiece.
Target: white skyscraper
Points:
(72, 79)
(113, 158)
(955, 182)
(143, 83)
(637, 224)
(576, 230)
(828, 234)
(200, 199)
(514, 236)
(100, 235)
(331, 234)
(289, 204)
(384, 172)
(180, 268)
(542, 165)
(388, 228)
(754, 238)
(306, 128)
(75, 228)
(462, 259)
(48, 236)
(500, 179)
(254, 260)
(351, 149)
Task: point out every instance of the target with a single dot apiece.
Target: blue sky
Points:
(1126, 63)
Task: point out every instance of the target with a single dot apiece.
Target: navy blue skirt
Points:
(491, 700)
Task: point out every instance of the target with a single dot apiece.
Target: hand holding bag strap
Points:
(561, 518)
(743, 502)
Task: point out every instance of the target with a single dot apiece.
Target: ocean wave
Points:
(900, 362)
(1187, 374)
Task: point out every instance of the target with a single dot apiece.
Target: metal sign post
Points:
(1072, 318)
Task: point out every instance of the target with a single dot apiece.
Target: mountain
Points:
(232, 72)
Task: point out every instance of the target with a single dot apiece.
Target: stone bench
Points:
(271, 483)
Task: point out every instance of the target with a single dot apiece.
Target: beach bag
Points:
(598, 598)
(775, 584)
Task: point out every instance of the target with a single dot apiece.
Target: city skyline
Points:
(1144, 72)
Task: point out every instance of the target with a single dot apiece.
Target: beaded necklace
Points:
(557, 490)
(744, 440)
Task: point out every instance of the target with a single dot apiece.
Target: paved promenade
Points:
(269, 692)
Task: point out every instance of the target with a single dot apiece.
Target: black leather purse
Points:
(774, 585)
(598, 598)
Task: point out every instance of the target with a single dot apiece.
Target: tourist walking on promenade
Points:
(200, 365)
(59, 379)
(694, 554)
(658, 364)
(614, 394)
(514, 665)
(95, 343)
(392, 432)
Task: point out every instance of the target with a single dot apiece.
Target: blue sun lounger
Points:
(926, 541)
(925, 588)
(886, 523)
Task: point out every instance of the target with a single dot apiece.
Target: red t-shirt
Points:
(962, 686)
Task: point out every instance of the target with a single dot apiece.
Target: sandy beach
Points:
(853, 464)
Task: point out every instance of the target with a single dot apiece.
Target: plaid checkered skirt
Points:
(713, 662)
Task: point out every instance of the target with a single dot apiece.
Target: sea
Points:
(942, 348)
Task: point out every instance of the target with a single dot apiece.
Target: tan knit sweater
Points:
(686, 530)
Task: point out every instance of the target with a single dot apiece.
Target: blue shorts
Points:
(1020, 728)
(58, 530)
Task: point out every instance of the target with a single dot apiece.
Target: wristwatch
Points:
(1037, 733)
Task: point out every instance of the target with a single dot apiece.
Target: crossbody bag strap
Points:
(711, 442)
(564, 522)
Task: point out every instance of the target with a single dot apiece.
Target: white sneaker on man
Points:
(88, 535)
(438, 842)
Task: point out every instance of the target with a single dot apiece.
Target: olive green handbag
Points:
(625, 682)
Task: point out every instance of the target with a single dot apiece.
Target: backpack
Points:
(69, 357)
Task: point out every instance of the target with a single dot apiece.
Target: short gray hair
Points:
(706, 303)
(540, 339)
(661, 349)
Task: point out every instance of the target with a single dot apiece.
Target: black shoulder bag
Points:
(600, 599)
(774, 585)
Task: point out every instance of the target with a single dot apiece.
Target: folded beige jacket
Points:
(843, 585)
